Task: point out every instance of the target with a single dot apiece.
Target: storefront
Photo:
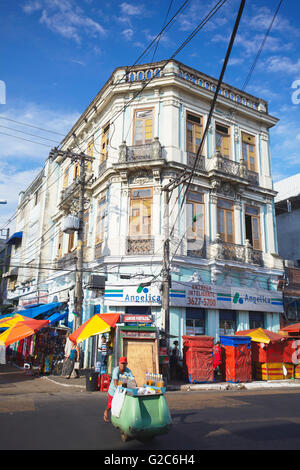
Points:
(200, 308)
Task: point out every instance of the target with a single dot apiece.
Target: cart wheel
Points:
(124, 437)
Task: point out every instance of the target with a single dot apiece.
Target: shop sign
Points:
(139, 334)
(132, 295)
(198, 295)
(42, 298)
(131, 318)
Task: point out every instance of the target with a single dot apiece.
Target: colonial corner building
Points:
(143, 130)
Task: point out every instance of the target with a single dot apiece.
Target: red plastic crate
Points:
(104, 382)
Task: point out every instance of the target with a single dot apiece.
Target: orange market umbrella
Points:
(11, 321)
(21, 330)
(99, 323)
(260, 335)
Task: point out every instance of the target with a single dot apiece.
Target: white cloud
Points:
(127, 34)
(21, 180)
(22, 160)
(131, 10)
(65, 18)
(25, 151)
(262, 18)
(283, 64)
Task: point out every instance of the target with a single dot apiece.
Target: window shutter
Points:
(255, 233)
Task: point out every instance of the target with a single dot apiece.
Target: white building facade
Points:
(143, 130)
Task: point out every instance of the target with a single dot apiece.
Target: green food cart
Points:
(143, 416)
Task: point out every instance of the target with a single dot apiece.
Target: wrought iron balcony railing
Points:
(140, 245)
(232, 168)
(136, 153)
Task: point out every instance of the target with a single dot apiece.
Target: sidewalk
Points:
(7, 376)
(186, 387)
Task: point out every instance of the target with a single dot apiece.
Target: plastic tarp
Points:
(291, 350)
(57, 317)
(45, 309)
(198, 359)
(236, 358)
(260, 335)
(266, 346)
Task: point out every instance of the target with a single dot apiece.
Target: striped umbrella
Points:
(99, 323)
(21, 330)
(11, 321)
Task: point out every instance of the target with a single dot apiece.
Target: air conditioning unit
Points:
(96, 281)
(70, 224)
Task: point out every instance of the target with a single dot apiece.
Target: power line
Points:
(199, 151)
(158, 40)
(27, 140)
(31, 125)
(184, 44)
(27, 133)
(247, 80)
(243, 88)
(128, 69)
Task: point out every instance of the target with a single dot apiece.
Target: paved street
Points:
(40, 414)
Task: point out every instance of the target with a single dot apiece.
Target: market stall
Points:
(198, 359)
(138, 339)
(236, 363)
(267, 355)
(33, 344)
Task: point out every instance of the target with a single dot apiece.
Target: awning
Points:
(45, 310)
(260, 335)
(14, 238)
(294, 328)
(57, 317)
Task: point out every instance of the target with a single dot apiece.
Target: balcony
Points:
(140, 153)
(196, 248)
(69, 193)
(140, 245)
(235, 252)
(231, 168)
(69, 259)
(191, 158)
(102, 168)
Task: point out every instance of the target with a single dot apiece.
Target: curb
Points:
(62, 384)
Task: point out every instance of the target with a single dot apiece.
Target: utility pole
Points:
(166, 271)
(82, 158)
(80, 247)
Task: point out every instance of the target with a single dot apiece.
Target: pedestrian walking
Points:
(74, 360)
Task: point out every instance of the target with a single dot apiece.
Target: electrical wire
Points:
(188, 39)
(164, 23)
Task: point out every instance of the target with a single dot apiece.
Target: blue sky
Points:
(57, 54)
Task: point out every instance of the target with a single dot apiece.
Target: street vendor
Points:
(121, 369)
